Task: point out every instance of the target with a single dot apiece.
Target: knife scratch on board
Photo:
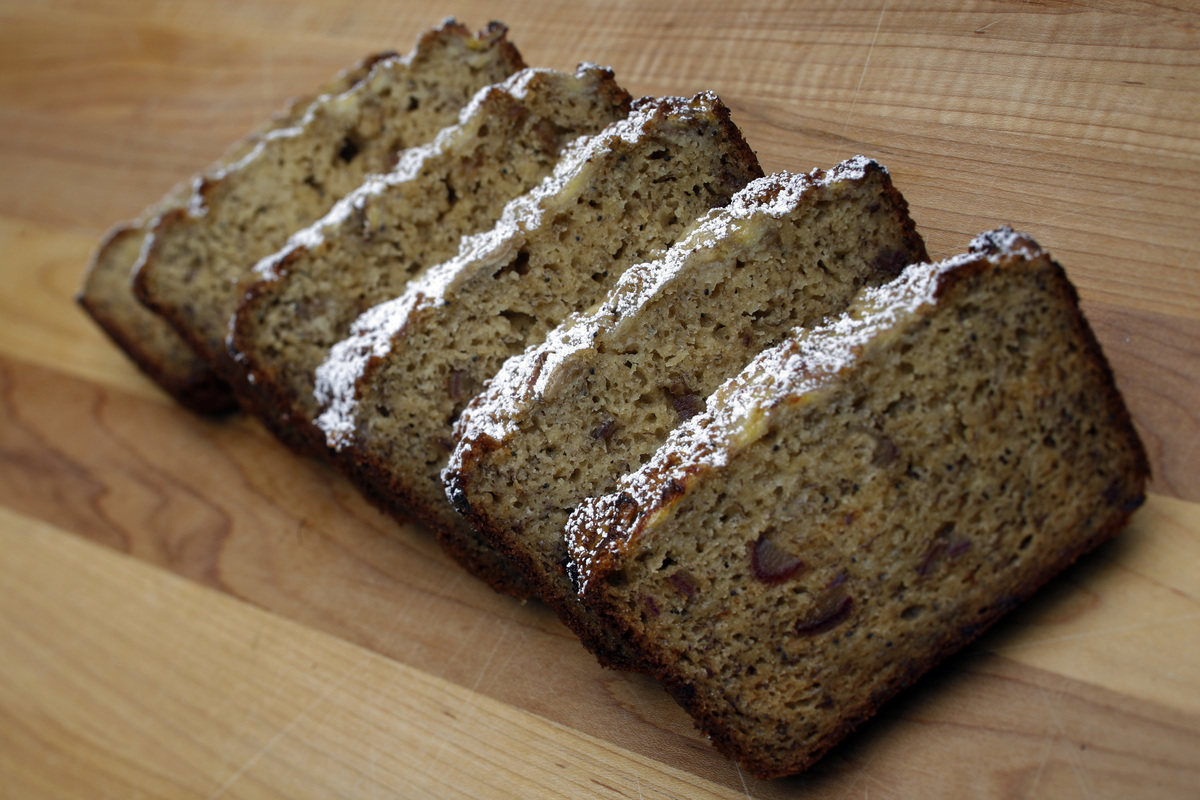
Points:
(286, 729)
(472, 691)
(1077, 769)
(863, 74)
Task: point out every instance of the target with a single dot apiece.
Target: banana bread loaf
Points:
(196, 256)
(394, 388)
(149, 340)
(864, 499)
(567, 419)
(392, 228)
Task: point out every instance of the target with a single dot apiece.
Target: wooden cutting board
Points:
(187, 610)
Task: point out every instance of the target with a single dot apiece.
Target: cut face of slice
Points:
(863, 499)
(565, 420)
(393, 389)
(395, 226)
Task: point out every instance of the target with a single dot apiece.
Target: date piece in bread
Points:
(568, 418)
(149, 340)
(195, 257)
(393, 227)
(393, 389)
(864, 499)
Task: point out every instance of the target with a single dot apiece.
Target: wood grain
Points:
(257, 706)
(320, 649)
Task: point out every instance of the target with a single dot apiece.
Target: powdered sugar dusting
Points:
(270, 267)
(1005, 242)
(528, 379)
(407, 168)
(347, 361)
(196, 207)
(739, 411)
(411, 162)
(373, 332)
(382, 73)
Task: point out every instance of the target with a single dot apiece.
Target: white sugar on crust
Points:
(863, 500)
(739, 410)
(524, 378)
(372, 333)
(408, 168)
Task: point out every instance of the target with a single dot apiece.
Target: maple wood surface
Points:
(188, 610)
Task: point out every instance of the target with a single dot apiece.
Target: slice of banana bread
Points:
(149, 340)
(394, 388)
(392, 228)
(567, 419)
(153, 345)
(864, 499)
(195, 256)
